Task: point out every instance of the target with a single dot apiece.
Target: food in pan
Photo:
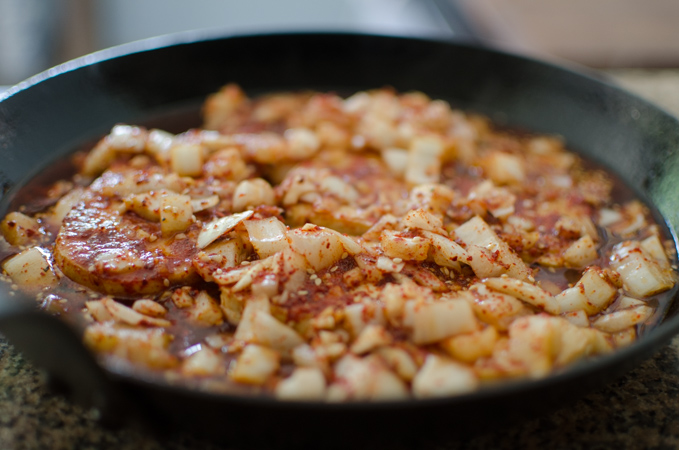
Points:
(314, 247)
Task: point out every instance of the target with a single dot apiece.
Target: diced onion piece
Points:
(529, 293)
(422, 219)
(447, 252)
(504, 168)
(204, 362)
(146, 346)
(608, 217)
(246, 327)
(469, 347)
(435, 197)
(255, 365)
(129, 316)
(252, 193)
(434, 321)
(365, 379)
(598, 289)
(655, 249)
(625, 337)
(252, 271)
(298, 188)
(476, 232)
(562, 181)
(441, 377)
(576, 342)
(386, 264)
(213, 230)
(221, 105)
(149, 308)
(396, 159)
(641, 275)
(186, 160)
(265, 285)
(159, 143)
(396, 245)
(126, 138)
(147, 204)
(427, 279)
(98, 159)
(305, 383)
(31, 270)
(424, 160)
(305, 356)
(386, 222)
(370, 338)
(399, 361)
(581, 253)
(320, 247)
(547, 145)
(541, 342)
(332, 135)
(226, 164)
(225, 254)
(578, 318)
(182, 298)
(628, 302)
(572, 299)
(593, 292)
(268, 331)
(175, 214)
(206, 311)
(200, 204)
(358, 315)
(357, 103)
(267, 236)
(634, 223)
(532, 340)
(98, 311)
(499, 201)
(483, 263)
(65, 205)
(264, 147)
(214, 141)
(351, 246)
(302, 143)
(394, 297)
(338, 188)
(622, 319)
(20, 229)
(129, 183)
(232, 306)
(122, 138)
(495, 308)
(376, 131)
(291, 266)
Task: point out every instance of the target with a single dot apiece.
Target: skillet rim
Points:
(622, 358)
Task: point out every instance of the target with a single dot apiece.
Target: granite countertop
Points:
(638, 410)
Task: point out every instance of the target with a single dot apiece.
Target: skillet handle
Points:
(52, 345)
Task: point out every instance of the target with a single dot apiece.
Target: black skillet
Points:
(163, 82)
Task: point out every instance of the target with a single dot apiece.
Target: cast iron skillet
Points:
(164, 81)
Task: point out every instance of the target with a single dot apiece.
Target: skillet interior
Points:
(49, 116)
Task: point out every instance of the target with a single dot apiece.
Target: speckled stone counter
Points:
(638, 410)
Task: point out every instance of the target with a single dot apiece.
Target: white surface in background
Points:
(26, 37)
(120, 21)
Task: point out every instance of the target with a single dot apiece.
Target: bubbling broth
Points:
(314, 247)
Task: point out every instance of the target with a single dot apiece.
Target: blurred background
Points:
(608, 34)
